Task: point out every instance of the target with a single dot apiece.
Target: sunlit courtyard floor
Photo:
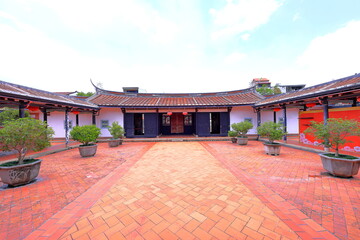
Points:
(182, 190)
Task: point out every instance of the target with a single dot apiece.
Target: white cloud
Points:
(31, 58)
(234, 58)
(245, 36)
(91, 15)
(242, 16)
(296, 17)
(328, 57)
(335, 54)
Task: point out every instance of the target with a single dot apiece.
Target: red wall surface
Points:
(305, 117)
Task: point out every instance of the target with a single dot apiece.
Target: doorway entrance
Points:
(177, 123)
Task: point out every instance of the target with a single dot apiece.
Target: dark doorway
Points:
(138, 124)
(177, 123)
(215, 123)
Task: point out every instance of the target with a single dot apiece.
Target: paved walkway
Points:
(183, 190)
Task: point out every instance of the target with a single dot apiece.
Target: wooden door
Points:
(177, 123)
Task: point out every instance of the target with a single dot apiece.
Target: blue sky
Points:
(177, 46)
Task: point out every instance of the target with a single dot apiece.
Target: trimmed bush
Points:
(272, 131)
(25, 134)
(334, 133)
(116, 130)
(242, 128)
(86, 134)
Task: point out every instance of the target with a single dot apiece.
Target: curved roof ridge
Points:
(42, 94)
(222, 93)
(321, 88)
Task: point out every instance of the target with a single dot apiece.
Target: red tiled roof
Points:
(336, 86)
(231, 98)
(261, 80)
(31, 94)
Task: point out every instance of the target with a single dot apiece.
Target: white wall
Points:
(56, 121)
(110, 114)
(238, 114)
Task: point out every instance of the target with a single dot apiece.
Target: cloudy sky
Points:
(176, 45)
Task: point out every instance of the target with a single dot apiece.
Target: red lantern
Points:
(185, 113)
(33, 108)
(358, 99)
(276, 109)
(310, 105)
(169, 113)
(75, 112)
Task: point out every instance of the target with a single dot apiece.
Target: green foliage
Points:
(116, 130)
(86, 134)
(272, 131)
(242, 128)
(10, 114)
(25, 134)
(277, 90)
(232, 133)
(335, 132)
(84, 94)
(264, 90)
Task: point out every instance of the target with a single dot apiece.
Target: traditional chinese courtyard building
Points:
(194, 114)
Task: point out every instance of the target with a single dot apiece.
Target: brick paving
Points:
(63, 177)
(182, 190)
(298, 178)
(179, 191)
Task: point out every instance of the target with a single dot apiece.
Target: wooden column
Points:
(325, 104)
(22, 109)
(274, 117)
(67, 126)
(94, 118)
(77, 119)
(285, 122)
(258, 118)
(43, 110)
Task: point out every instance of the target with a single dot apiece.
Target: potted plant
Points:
(117, 132)
(242, 129)
(333, 135)
(21, 135)
(272, 131)
(87, 135)
(232, 134)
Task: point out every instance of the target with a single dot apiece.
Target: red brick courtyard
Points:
(182, 190)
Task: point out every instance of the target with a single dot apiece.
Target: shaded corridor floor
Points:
(191, 190)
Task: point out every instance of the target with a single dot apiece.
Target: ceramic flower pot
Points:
(242, 140)
(272, 148)
(340, 167)
(114, 142)
(20, 174)
(88, 151)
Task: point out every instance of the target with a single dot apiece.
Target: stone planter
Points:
(340, 167)
(242, 140)
(114, 142)
(272, 148)
(233, 140)
(88, 151)
(20, 174)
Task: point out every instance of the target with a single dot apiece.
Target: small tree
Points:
(85, 94)
(334, 133)
(264, 90)
(25, 134)
(272, 131)
(242, 128)
(232, 134)
(116, 130)
(10, 114)
(86, 134)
